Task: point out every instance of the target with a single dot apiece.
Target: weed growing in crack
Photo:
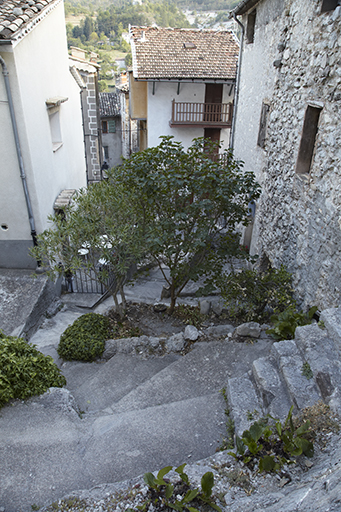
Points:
(271, 445)
(228, 441)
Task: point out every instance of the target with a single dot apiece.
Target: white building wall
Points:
(38, 70)
(160, 111)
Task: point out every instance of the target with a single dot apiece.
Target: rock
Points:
(217, 308)
(205, 306)
(58, 398)
(175, 343)
(165, 292)
(53, 308)
(191, 333)
(252, 329)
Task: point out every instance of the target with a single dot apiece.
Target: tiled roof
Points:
(170, 53)
(17, 17)
(109, 104)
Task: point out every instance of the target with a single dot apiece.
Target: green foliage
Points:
(271, 444)
(84, 340)
(24, 371)
(251, 294)
(307, 371)
(102, 218)
(285, 323)
(228, 441)
(170, 496)
(183, 197)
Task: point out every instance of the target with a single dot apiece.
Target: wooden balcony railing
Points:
(217, 115)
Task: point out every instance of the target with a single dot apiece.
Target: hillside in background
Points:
(100, 25)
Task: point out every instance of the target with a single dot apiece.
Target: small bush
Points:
(24, 371)
(285, 323)
(254, 295)
(84, 340)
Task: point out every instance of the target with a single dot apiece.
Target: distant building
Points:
(84, 68)
(182, 83)
(288, 131)
(41, 135)
(110, 112)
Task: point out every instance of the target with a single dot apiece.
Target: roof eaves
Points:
(244, 6)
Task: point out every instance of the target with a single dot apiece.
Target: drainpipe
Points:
(236, 91)
(20, 160)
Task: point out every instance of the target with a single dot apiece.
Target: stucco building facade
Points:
(182, 83)
(47, 156)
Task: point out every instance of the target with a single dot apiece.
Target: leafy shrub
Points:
(253, 294)
(285, 323)
(178, 497)
(84, 340)
(24, 371)
(281, 441)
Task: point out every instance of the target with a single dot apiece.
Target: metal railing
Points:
(204, 114)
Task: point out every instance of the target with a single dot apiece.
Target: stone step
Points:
(271, 388)
(118, 377)
(242, 399)
(321, 353)
(303, 391)
(332, 321)
(202, 371)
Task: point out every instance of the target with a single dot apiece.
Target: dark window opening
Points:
(106, 152)
(329, 5)
(250, 29)
(109, 126)
(263, 125)
(307, 145)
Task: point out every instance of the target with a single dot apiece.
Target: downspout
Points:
(236, 91)
(19, 155)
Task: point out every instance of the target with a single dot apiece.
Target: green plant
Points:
(273, 444)
(24, 371)
(183, 196)
(321, 324)
(35, 507)
(179, 496)
(189, 314)
(228, 441)
(252, 294)
(285, 323)
(307, 371)
(84, 340)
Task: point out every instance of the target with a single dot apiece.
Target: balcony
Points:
(207, 115)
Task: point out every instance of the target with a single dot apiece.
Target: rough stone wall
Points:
(91, 127)
(298, 219)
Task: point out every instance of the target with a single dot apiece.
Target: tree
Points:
(190, 204)
(102, 221)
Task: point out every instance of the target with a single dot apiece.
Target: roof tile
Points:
(109, 104)
(14, 14)
(168, 53)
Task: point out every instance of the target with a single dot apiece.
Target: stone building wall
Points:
(91, 126)
(298, 219)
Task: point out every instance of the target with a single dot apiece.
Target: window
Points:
(263, 125)
(250, 28)
(329, 5)
(53, 106)
(106, 152)
(56, 134)
(306, 151)
(109, 126)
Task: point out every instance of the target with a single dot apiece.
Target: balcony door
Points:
(213, 102)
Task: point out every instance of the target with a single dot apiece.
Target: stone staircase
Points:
(277, 381)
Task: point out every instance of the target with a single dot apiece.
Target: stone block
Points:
(252, 329)
(303, 391)
(332, 320)
(242, 397)
(205, 306)
(271, 389)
